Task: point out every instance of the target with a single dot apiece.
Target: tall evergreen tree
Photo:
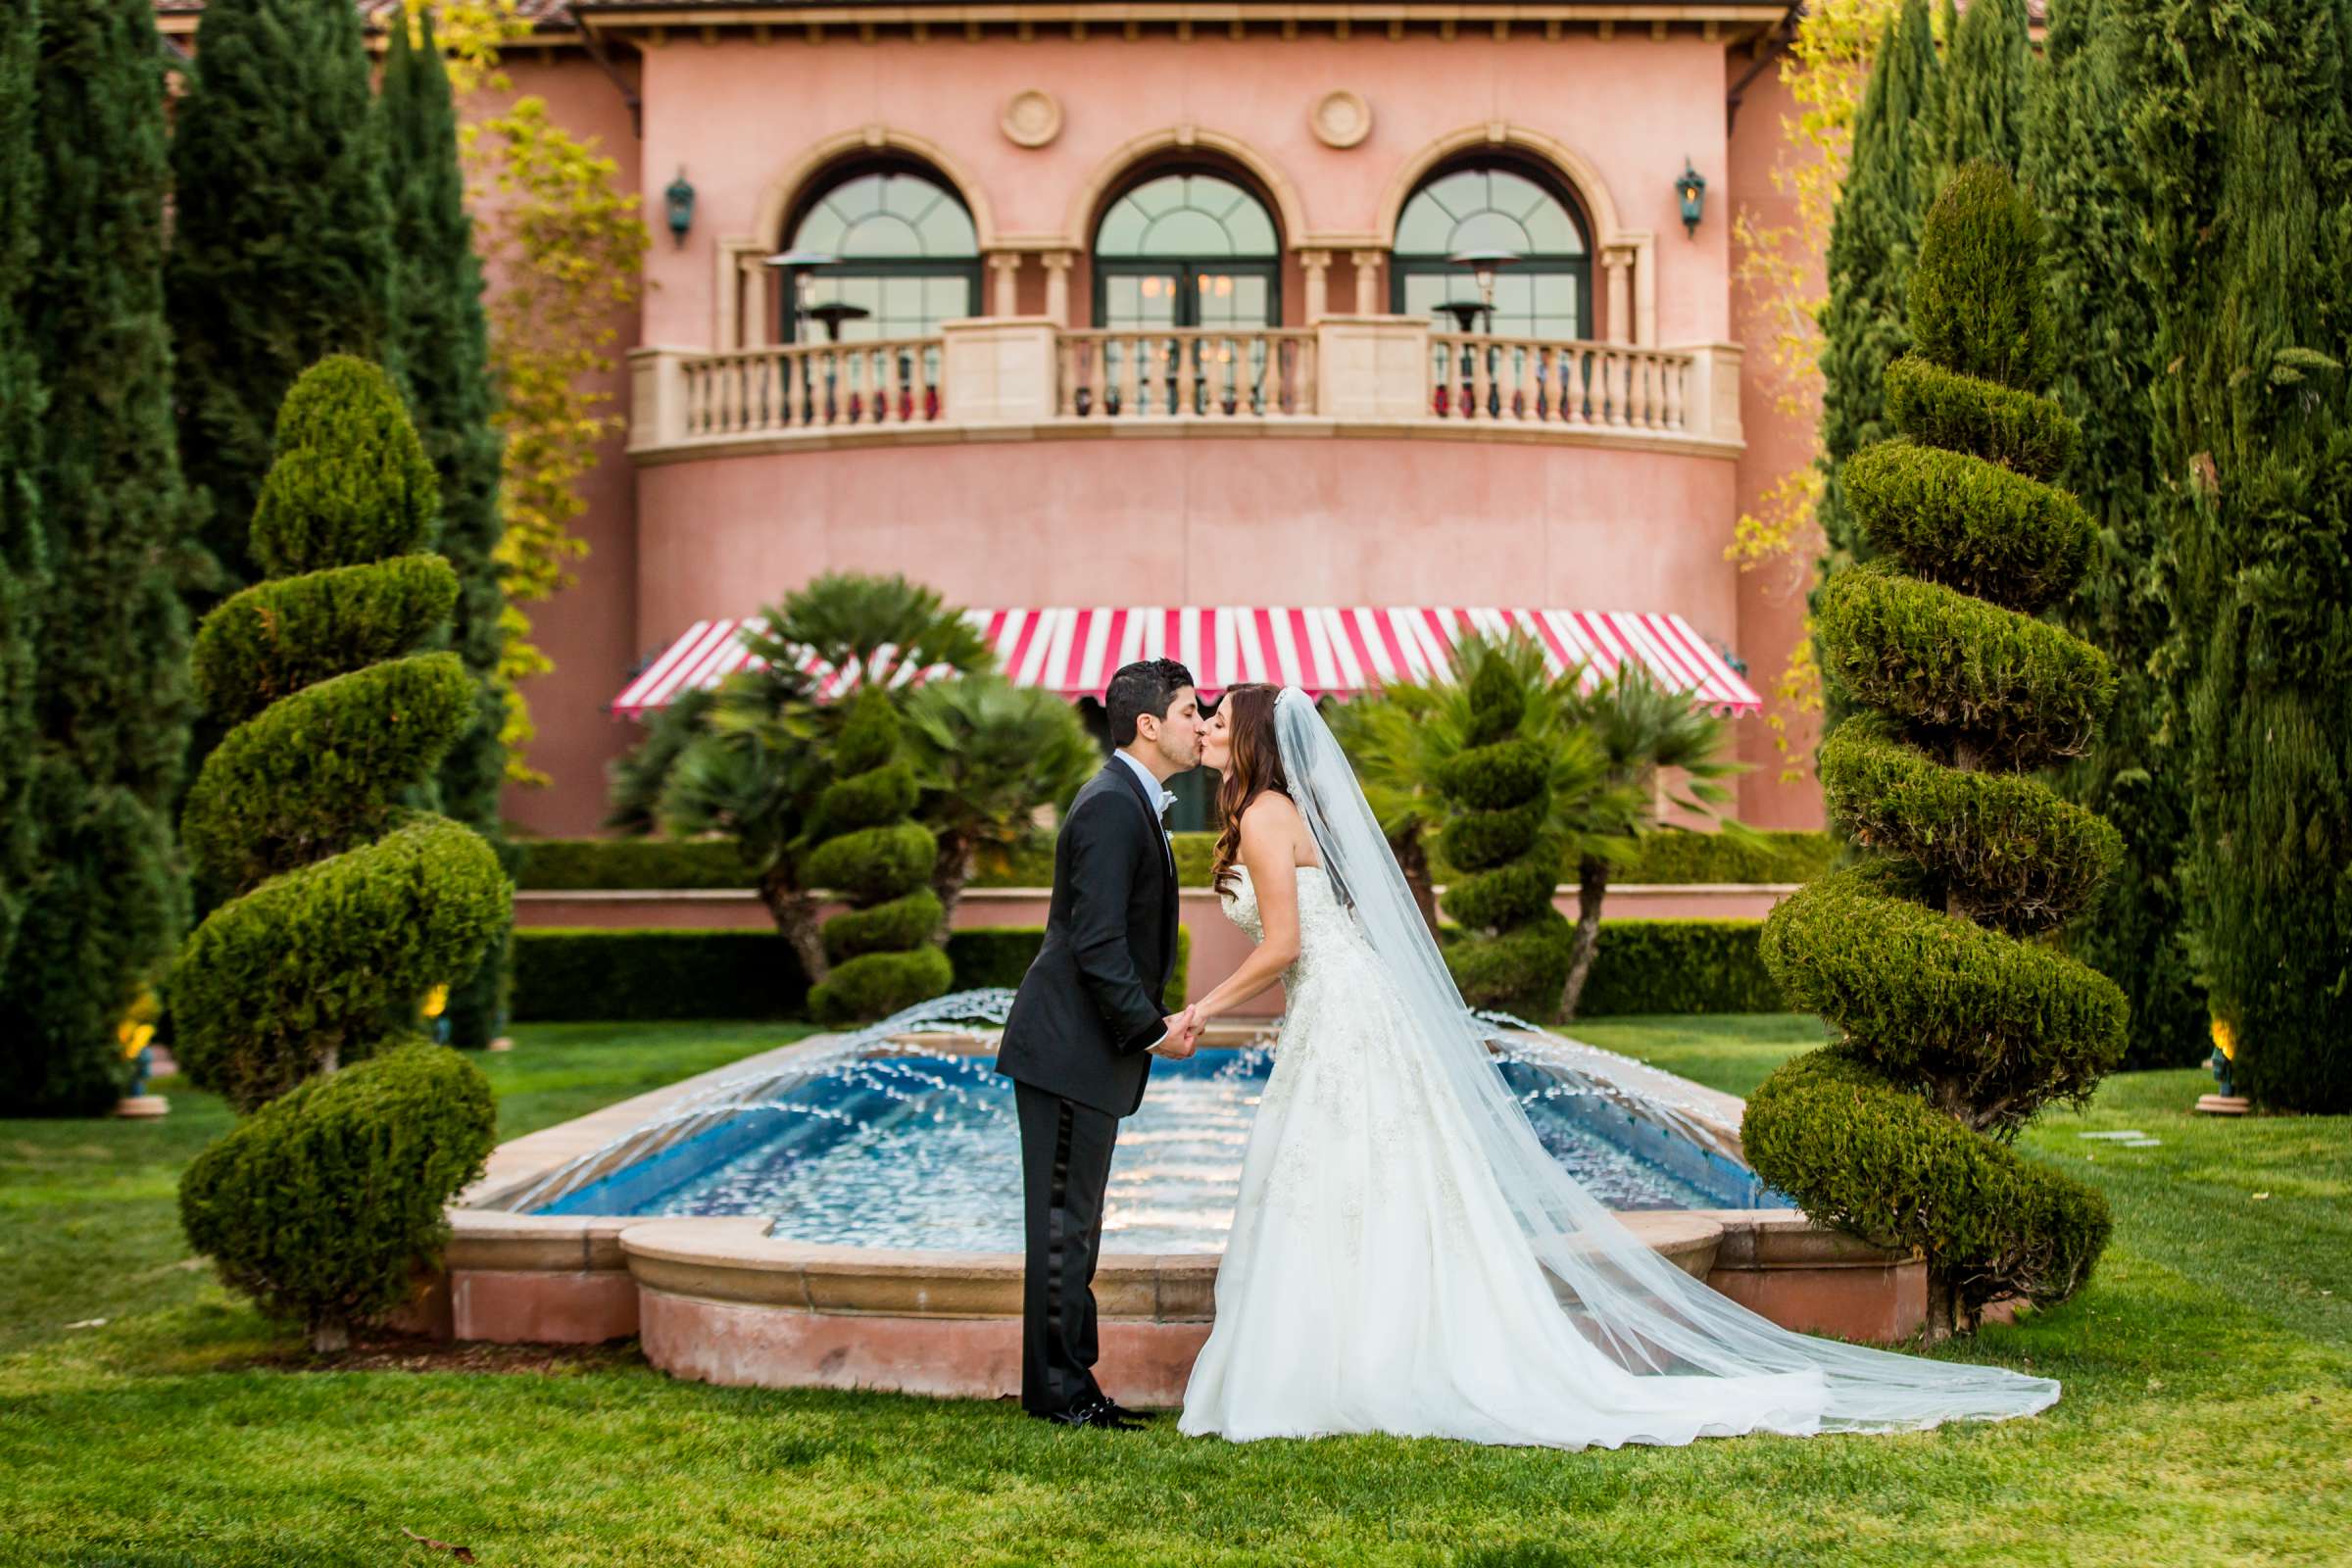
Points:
(441, 343)
(111, 686)
(2241, 154)
(1984, 115)
(1872, 242)
(2075, 157)
(281, 244)
(22, 564)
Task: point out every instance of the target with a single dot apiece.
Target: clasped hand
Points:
(1183, 1034)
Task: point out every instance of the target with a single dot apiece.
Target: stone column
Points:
(1005, 299)
(1368, 282)
(1316, 265)
(754, 286)
(1618, 261)
(1057, 287)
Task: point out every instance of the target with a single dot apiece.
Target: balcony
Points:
(1000, 379)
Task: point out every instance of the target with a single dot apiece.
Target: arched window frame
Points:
(1404, 265)
(827, 280)
(1186, 270)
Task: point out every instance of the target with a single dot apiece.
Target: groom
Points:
(1087, 1021)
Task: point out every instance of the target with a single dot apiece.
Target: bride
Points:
(1406, 1256)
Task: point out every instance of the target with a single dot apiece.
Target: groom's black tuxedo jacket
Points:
(1089, 1009)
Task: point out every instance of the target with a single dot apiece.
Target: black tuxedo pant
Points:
(1065, 1166)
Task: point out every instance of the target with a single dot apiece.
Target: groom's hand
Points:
(1183, 1035)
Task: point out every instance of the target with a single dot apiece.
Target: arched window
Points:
(907, 256)
(1487, 205)
(1187, 248)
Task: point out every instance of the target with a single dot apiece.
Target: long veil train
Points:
(1637, 1307)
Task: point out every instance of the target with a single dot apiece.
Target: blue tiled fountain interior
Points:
(922, 1152)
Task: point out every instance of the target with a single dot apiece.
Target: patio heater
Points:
(1483, 266)
(800, 268)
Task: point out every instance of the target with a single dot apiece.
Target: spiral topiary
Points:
(341, 902)
(350, 1176)
(1957, 1020)
(873, 853)
(1515, 949)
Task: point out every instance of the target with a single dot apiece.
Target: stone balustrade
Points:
(983, 377)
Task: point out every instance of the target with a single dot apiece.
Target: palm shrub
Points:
(340, 904)
(1500, 839)
(870, 851)
(1644, 732)
(325, 1203)
(1957, 1019)
(987, 755)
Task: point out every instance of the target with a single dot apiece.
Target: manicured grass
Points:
(2208, 1372)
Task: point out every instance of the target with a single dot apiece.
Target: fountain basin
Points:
(726, 1298)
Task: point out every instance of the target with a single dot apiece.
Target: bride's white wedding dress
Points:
(1406, 1258)
(1375, 1279)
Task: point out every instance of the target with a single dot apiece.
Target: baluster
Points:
(1676, 390)
(1523, 374)
(1131, 376)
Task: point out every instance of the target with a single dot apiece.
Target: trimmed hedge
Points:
(566, 975)
(1679, 966)
(1878, 1160)
(307, 969)
(650, 864)
(1952, 518)
(879, 859)
(280, 635)
(1940, 408)
(1514, 953)
(324, 1203)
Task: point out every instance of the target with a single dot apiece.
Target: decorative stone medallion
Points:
(1341, 118)
(1032, 118)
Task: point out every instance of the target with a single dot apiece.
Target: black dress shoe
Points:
(1096, 1413)
(1137, 1417)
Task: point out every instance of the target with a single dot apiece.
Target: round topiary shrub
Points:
(322, 1204)
(1515, 947)
(340, 904)
(872, 853)
(1958, 1019)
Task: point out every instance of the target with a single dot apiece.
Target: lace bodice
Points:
(1325, 928)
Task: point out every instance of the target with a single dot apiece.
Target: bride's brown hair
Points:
(1255, 768)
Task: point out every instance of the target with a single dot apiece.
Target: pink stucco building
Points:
(1143, 304)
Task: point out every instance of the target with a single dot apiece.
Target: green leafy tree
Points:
(754, 761)
(1506, 856)
(1984, 108)
(281, 238)
(2077, 161)
(1957, 1022)
(1644, 734)
(441, 343)
(341, 905)
(1871, 241)
(987, 753)
(110, 691)
(23, 566)
(2240, 145)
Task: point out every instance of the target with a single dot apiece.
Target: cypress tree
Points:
(2241, 148)
(22, 564)
(884, 950)
(1983, 114)
(1516, 948)
(281, 243)
(1955, 1021)
(2075, 160)
(1872, 242)
(442, 345)
(109, 684)
(343, 905)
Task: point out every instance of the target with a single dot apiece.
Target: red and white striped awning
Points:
(1330, 651)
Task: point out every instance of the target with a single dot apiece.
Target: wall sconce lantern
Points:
(679, 197)
(1691, 190)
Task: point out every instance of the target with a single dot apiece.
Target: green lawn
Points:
(2208, 1414)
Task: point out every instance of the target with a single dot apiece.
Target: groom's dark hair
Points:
(1147, 687)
